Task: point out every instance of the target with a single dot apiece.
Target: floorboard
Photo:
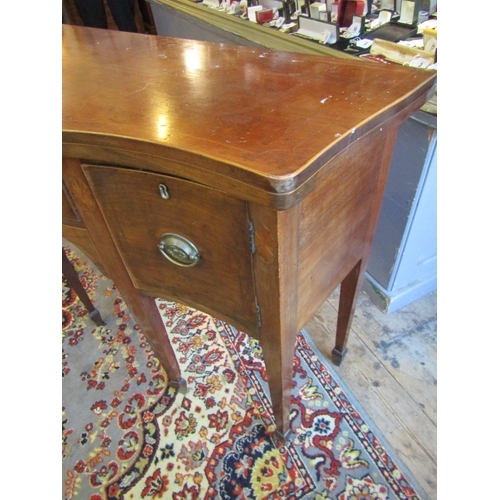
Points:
(390, 368)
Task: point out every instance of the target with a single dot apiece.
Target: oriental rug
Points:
(126, 435)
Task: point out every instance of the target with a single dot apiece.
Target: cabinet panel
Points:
(334, 219)
(140, 207)
(70, 215)
(402, 266)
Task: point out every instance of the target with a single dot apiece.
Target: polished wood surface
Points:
(267, 119)
(215, 221)
(275, 162)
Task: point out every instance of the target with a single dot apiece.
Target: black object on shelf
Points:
(392, 32)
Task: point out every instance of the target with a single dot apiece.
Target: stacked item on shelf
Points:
(391, 31)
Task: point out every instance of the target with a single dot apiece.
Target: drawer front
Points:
(141, 208)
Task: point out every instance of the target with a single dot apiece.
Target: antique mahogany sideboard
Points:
(243, 182)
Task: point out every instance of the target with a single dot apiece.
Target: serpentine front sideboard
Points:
(243, 182)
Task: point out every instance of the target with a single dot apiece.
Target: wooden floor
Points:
(390, 368)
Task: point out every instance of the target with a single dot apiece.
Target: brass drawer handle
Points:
(179, 250)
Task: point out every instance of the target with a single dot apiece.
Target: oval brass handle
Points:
(179, 250)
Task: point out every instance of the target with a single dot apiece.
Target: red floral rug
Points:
(127, 435)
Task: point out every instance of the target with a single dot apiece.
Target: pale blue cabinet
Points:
(402, 265)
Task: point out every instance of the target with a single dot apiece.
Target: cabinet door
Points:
(140, 208)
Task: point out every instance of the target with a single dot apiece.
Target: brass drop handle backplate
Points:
(178, 250)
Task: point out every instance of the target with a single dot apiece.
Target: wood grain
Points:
(276, 273)
(267, 119)
(296, 146)
(214, 222)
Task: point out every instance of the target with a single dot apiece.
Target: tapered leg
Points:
(275, 265)
(351, 284)
(75, 283)
(349, 291)
(151, 323)
(278, 350)
(143, 308)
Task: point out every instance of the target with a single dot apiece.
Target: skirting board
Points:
(390, 301)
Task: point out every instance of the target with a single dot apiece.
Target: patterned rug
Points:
(127, 435)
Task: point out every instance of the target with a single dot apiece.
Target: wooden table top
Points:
(265, 118)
